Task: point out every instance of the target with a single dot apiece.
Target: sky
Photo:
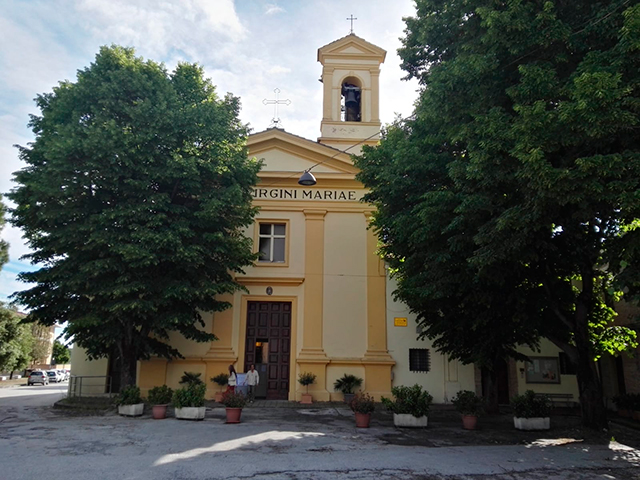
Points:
(247, 48)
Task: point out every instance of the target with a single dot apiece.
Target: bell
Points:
(351, 99)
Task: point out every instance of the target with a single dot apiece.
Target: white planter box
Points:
(408, 420)
(131, 410)
(191, 413)
(535, 423)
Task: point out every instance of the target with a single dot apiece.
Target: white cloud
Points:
(272, 8)
(278, 70)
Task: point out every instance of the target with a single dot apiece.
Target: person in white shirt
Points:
(231, 383)
(252, 379)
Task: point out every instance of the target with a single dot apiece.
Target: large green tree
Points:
(521, 164)
(133, 198)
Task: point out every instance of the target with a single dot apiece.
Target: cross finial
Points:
(275, 121)
(351, 18)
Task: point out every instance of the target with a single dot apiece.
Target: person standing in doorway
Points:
(233, 380)
(252, 380)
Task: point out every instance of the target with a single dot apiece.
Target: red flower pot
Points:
(307, 399)
(218, 397)
(362, 420)
(159, 412)
(233, 415)
(469, 422)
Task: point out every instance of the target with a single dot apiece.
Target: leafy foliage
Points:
(409, 400)
(530, 405)
(129, 395)
(347, 383)
(221, 379)
(133, 198)
(468, 403)
(363, 403)
(508, 205)
(189, 396)
(61, 353)
(233, 400)
(191, 378)
(160, 395)
(16, 341)
(4, 246)
(306, 378)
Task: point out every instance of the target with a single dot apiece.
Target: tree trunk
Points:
(128, 361)
(490, 384)
(594, 413)
(11, 375)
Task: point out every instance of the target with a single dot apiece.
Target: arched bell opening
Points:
(351, 101)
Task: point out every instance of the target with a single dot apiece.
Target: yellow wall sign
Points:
(399, 322)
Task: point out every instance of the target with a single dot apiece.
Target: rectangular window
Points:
(419, 360)
(271, 242)
(566, 367)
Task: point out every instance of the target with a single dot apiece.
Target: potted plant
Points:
(410, 406)
(347, 384)
(191, 378)
(531, 411)
(189, 402)
(130, 402)
(159, 398)
(221, 380)
(234, 403)
(363, 406)
(305, 379)
(470, 406)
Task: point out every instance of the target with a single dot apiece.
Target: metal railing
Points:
(89, 386)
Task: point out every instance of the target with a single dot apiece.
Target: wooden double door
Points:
(268, 346)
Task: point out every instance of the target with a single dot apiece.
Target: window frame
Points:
(257, 236)
(428, 354)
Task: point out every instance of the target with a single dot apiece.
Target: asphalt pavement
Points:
(310, 443)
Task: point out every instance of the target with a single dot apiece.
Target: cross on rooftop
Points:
(351, 18)
(275, 121)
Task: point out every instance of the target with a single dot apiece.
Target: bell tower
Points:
(351, 93)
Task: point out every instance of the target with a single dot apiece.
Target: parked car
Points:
(38, 376)
(63, 374)
(54, 376)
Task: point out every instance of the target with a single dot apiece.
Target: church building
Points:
(319, 298)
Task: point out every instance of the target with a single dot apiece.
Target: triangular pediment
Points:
(288, 154)
(349, 47)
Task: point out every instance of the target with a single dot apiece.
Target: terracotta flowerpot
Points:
(307, 399)
(348, 397)
(218, 397)
(636, 415)
(233, 415)
(159, 412)
(362, 420)
(469, 422)
(623, 412)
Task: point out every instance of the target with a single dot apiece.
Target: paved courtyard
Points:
(290, 442)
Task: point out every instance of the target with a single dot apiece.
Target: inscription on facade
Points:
(307, 194)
